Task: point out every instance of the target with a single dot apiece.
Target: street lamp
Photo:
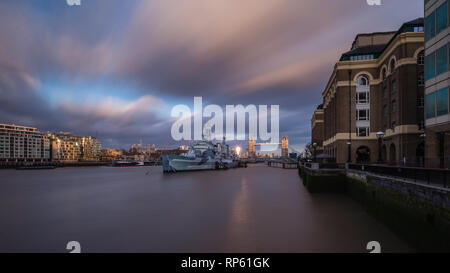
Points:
(315, 151)
(380, 136)
(349, 144)
(422, 155)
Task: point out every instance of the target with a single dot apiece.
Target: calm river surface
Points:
(258, 209)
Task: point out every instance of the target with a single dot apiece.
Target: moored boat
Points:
(128, 164)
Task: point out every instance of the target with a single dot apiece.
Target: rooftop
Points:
(375, 43)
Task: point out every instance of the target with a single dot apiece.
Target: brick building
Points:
(377, 90)
(317, 129)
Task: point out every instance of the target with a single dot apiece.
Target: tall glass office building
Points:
(437, 82)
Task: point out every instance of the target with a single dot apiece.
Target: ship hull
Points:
(173, 163)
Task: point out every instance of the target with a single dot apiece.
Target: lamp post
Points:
(422, 159)
(380, 136)
(349, 143)
(315, 151)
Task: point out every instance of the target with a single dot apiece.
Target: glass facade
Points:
(442, 102)
(442, 18)
(430, 105)
(442, 60)
(430, 67)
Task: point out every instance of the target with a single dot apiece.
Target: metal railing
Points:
(324, 165)
(428, 176)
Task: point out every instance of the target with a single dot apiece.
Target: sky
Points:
(114, 69)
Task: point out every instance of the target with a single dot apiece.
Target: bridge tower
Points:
(285, 147)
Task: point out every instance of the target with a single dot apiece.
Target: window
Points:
(421, 58)
(394, 106)
(418, 29)
(362, 97)
(361, 57)
(393, 125)
(441, 18)
(442, 102)
(385, 93)
(384, 74)
(430, 26)
(394, 86)
(441, 60)
(420, 79)
(362, 114)
(430, 105)
(430, 68)
(363, 81)
(420, 101)
(392, 66)
(385, 111)
(363, 131)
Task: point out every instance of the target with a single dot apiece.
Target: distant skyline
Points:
(114, 69)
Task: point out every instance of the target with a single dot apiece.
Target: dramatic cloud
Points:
(115, 68)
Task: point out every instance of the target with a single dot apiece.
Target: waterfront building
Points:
(437, 82)
(317, 129)
(67, 147)
(285, 147)
(23, 144)
(375, 98)
(111, 154)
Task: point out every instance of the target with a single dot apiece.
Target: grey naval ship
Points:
(201, 155)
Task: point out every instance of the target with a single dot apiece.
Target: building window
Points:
(363, 114)
(430, 105)
(394, 86)
(362, 57)
(430, 66)
(363, 131)
(384, 74)
(393, 125)
(385, 111)
(430, 25)
(418, 29)
(420, 79)
(420, 102)
(362, 97)
(441, 60)
(385, 92)
(421, 58)
(363, 81)
(442, 102)
(394, 106)
(441, 18)
(392, 65)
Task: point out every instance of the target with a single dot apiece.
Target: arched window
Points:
(421, 58)
(392, 65)
(384, 73)
(363, 81)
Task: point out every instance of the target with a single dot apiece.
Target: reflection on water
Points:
(258, 209)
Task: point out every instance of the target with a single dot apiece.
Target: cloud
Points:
(228, 51)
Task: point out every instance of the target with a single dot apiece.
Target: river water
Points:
(105, 209)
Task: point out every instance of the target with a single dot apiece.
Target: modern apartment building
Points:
(437, 76)
(376, 91)
(23, 144)
(68, 147)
